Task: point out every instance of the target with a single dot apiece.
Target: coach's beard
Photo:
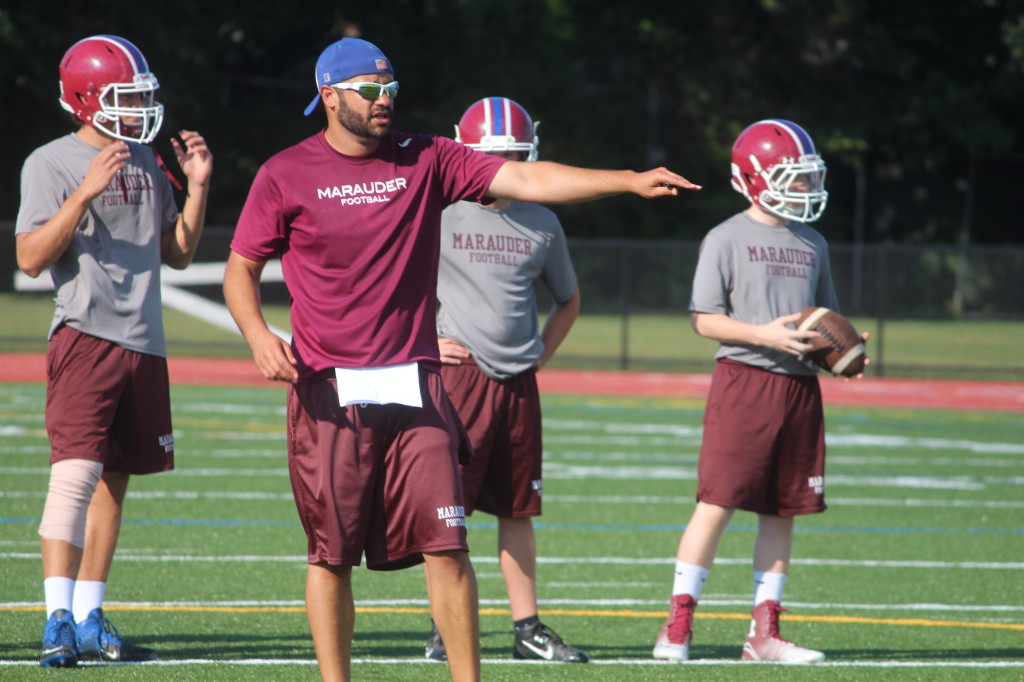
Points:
(376, 126)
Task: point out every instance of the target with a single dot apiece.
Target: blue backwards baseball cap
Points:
(344, 59)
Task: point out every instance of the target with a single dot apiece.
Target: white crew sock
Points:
(689, 579)
(58, 593)
(768, 587)
(88, 596)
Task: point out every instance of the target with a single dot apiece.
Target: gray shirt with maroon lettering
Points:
(755, 273)
(108, 280)
(490, 264)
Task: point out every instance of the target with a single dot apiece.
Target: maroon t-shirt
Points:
(359, 243)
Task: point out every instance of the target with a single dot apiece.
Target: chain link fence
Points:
(900, 293)
(967, 302)
(925, 282)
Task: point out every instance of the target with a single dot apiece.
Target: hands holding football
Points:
(838, 347)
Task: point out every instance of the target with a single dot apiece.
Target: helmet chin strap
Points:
(167, 171)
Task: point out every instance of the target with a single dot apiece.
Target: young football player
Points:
(98, 211)
(763, 447)
(494, 255)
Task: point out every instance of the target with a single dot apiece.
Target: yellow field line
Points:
(802, 619)
(905, 622)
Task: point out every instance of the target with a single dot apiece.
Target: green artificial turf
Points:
(912, 574)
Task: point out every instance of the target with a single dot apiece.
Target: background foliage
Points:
(915, 106)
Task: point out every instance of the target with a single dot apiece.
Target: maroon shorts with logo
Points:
(107, 404)
(503, 420)
(763, 448)
(383, 479)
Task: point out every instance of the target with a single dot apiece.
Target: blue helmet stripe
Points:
(499, 125)
(133, 53)
(798, 134)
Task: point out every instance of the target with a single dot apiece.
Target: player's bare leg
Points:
(774, 543)
(60, 558)
(699, 542)
(95, 637)
(451, 586)
(332, 615)
(771, 555)
(62, 536)
(517, 554)
(63, 529)
(696, 554)
(103, 525)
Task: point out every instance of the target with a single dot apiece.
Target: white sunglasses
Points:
(371, 90)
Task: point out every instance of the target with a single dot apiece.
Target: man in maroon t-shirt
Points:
(374, 444)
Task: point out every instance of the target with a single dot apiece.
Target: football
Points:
(839, 349)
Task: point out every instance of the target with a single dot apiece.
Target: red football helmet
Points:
(776, 166)
(497, 124)
(96, 76)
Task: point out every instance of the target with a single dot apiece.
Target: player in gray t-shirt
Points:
(493, 256)
(763, 442)
(98, 211)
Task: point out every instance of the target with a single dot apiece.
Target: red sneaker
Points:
(764, 643)
(673, 642)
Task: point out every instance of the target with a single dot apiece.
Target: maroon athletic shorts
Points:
(504, 425)
(107, 404)
(763, 448)
(383, 479)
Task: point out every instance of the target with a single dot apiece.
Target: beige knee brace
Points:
(72, 483)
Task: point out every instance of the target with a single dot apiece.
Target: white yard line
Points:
(942, 503)
(708, 600)
(630, 561)
(505, 661)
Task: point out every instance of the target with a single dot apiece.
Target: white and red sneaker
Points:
(765, 644)
(673, 643)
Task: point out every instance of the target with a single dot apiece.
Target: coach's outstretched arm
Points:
(273, 355)
(547, 182)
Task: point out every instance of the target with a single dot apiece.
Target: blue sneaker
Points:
(59, 641)
(99, 639)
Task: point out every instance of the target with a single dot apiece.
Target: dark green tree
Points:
(903, 99)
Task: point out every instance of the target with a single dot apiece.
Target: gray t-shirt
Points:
(108, 280)
(490, 262)
(755, 273)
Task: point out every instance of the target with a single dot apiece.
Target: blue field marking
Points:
(753, 529)
(652, 527)
(210, 522)
(180, 522)
(398, 663)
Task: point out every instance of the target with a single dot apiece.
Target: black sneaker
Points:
(435, 646)
(539, 642)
